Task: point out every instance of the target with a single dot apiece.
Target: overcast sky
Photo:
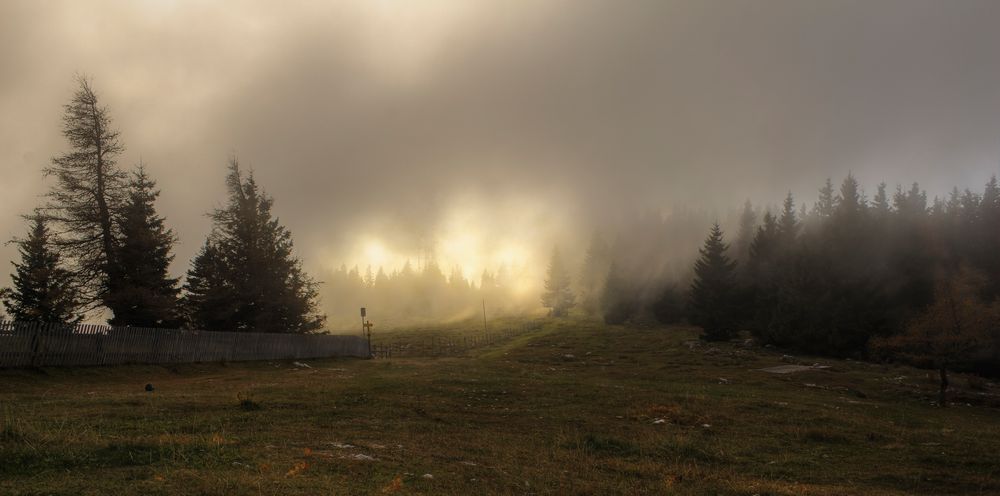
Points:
(522, 121)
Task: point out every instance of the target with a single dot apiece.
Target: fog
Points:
(480, 134)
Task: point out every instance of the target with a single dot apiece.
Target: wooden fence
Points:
(417, 345)
(25, 344)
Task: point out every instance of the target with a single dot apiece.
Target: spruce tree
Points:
(712, 305)
(89, 190)
(270, 290)
(824, 208)
(765, 240)
(558, 296)
(850, 202)
(788, 225)
(761, 270)
(146, 295)
(209, 300)
(880, 207)
(744, 237)
(43, 291)
(987, 237)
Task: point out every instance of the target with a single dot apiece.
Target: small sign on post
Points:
(366, 329)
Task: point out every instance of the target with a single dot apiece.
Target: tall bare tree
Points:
(88, 191)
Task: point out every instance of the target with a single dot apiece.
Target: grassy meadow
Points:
(573, 407)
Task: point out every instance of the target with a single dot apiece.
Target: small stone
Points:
(427, 476)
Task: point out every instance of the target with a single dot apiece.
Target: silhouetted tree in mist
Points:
(712, 304)
(89, 190)
(251, 251)
(146, 295)
(43, 290)
(617, 299)
(824, 207)
(744, 234)
(209, 298)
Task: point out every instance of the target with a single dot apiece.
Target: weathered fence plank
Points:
(41, 345)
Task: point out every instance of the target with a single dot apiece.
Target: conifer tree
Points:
(788, 225)
(765, 238)
(89, 190)
(558, 296)
(880, 206)
(824, 208)
(988, 234)
(712, 304)
(850, 203)
(270, 292)
(910, 204)
(747, 228)
(146, 295)
(761, 272)
(43, 291)
(209, 300)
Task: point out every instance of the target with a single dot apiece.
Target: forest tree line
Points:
(851, 276)
(97, 242)
(420, 293)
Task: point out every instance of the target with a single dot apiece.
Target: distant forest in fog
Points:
(849, 275)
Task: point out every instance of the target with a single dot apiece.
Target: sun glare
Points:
(376, 254)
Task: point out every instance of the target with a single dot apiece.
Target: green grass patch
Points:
(573, 407)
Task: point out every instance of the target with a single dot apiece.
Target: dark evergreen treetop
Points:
(712, 298)
(850, 202)
(910, 203)
(43, 291)
(824, 207)
(880, 204)
(269, 290)
(146, 295)
(765, 240)
(747, 229)
(209, 298)
(788, 225)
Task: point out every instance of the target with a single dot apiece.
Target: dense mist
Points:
(477, 136)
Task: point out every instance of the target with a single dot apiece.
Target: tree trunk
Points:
(104, 212)
(943, 394)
